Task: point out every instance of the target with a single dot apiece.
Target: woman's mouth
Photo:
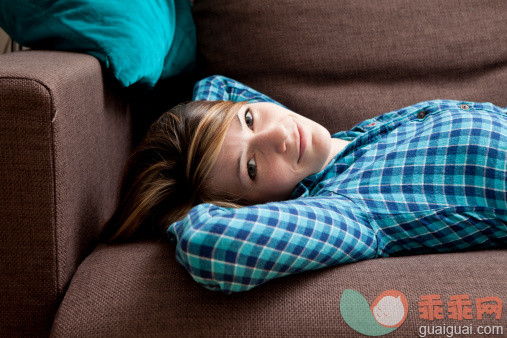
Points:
(302, 141)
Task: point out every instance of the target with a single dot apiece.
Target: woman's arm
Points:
(236, 249)
(219, 87)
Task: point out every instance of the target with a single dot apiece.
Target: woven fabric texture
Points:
(64, 138)
(340, 64)
(139, 289)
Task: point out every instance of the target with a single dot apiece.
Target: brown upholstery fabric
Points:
(342, 62)
(140, 290)
(28, 282)
(64, 138)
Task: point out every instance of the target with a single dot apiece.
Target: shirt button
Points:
(421, 114)
(465, 106)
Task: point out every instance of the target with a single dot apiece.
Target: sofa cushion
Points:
(340, 63)
(138, 41)
(139, 289)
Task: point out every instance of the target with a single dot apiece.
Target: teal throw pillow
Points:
(139, 41)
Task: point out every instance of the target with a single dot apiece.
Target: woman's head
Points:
(166, 174)
(220, 152)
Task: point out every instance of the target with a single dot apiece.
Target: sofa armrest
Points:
(65, 135)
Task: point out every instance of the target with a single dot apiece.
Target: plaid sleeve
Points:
(236, 249)
(218, 87)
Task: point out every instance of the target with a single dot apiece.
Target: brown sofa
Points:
(66, 131)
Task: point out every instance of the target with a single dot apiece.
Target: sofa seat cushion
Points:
(140, 289)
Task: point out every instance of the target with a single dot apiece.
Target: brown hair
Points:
(166, 174)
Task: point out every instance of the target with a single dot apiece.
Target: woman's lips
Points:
(302, 141)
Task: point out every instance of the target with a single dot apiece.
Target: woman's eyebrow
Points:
(241, 153)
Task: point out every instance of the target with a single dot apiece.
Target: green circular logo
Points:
(386, 314)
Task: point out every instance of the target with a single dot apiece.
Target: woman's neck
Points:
(337, 146)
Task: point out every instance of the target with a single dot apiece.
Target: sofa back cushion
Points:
(342, 62)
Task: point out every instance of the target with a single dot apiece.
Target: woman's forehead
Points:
(225, 173)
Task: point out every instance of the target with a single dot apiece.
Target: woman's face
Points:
(267, 151)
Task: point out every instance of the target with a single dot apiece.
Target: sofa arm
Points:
(65, 135)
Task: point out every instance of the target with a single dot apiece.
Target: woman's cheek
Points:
(281, 180)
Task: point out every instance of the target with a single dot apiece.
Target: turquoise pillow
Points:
(139, 41)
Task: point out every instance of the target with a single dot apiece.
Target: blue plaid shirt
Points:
(428, 178)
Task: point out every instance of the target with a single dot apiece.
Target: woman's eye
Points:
(249, 118)
(251, 167)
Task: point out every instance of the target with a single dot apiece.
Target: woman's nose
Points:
(274, 137)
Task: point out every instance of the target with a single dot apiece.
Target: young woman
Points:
(250, 191)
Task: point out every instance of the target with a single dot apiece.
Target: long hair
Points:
(167, 173)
